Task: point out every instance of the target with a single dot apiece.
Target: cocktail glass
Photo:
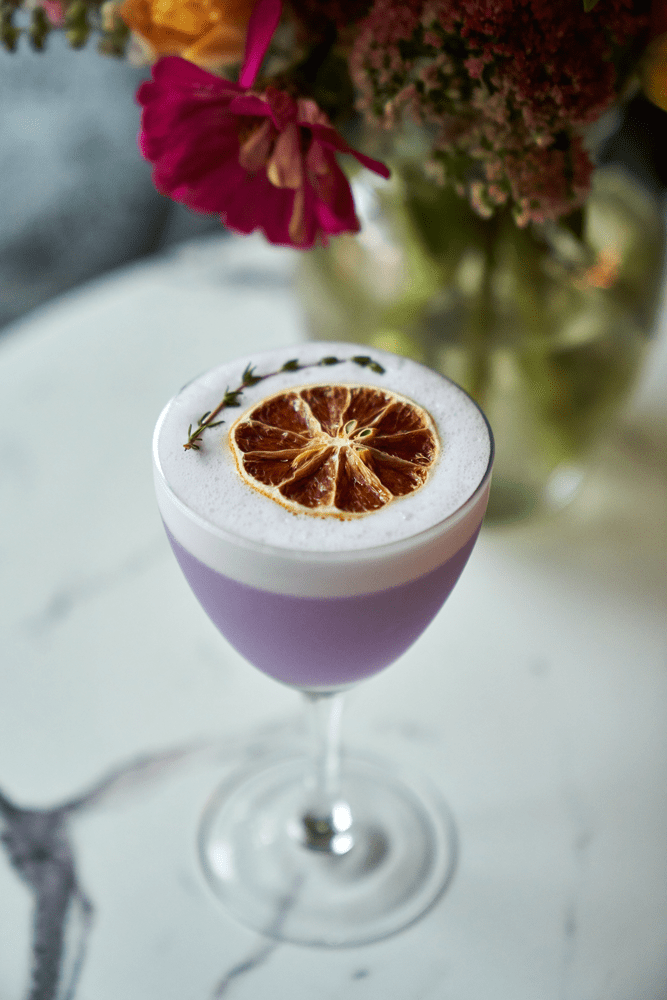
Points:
(317, 846)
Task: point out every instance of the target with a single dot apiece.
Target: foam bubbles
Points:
(208, 485)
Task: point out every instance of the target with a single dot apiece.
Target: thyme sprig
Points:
(232, 397)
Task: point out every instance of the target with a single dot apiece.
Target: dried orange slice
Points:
(335, 450)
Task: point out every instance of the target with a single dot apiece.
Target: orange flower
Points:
(210, 33)
(654, 71)
(603, 273)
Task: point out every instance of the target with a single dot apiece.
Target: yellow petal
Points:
(654, 71)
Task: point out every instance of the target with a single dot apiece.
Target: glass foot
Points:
(390, 859)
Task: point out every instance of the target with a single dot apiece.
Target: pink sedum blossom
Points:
(55, 11)
(261, 160)
(505, 89)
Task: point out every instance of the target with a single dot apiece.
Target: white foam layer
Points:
(239, 532)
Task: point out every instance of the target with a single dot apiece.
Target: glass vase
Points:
(546, 326)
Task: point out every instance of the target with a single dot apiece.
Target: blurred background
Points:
(76, 198)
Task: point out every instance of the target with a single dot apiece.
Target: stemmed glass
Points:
(319, 846)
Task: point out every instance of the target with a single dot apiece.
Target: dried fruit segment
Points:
(335, 450)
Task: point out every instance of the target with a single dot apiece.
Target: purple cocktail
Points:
(380, 470)
(327, 642)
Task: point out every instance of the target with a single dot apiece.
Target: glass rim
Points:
(330, 555)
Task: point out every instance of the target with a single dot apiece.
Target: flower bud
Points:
(39, 29)
(9, 34)
(77, 24)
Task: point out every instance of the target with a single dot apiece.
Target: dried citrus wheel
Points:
(335, 450)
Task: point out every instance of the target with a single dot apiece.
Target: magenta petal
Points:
(190, 165)
(166, 126)
(275, 226)
(210, 193)
(180, 96)
(249, 104)
(330, 138)
(261, 26)
(335, 204)
(193, 127)
(179, 74)
(370, 163)
(261, 207)
(284, 109)
(334, 224)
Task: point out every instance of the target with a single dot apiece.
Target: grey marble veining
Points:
(250, 963)
(39, 846)
(39, 849)
(69, 598)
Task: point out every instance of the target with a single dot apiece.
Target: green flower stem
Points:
(478, 334)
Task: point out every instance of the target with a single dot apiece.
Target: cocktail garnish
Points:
(232, 397)
(335, 450)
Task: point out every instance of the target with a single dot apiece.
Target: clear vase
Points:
(546, 327)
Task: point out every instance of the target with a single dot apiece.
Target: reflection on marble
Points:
(257, 958)
(41, 853)
(40, 849)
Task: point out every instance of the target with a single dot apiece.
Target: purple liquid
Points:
(321, 642)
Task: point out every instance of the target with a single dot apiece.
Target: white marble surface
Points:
(537, 700)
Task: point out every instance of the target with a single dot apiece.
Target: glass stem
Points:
(327, 818)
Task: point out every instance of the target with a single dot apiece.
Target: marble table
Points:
(537, 701)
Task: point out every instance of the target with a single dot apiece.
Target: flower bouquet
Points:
(244, 112)
(490, 247)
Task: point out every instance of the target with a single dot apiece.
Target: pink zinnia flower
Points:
(261, 160)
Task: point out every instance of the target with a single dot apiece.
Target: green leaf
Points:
(249, 377)
(589, 4)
